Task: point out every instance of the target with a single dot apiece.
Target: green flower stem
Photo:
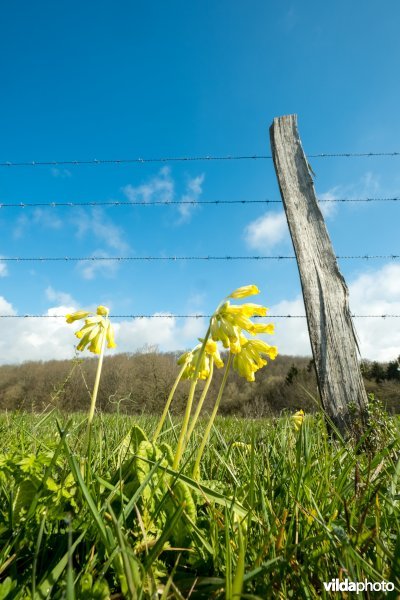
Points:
(168, 404)
(196, 469)
(186, 418)
(182, 435)
(201, 401)
(93, 406)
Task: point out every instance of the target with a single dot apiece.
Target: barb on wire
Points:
(175, 258)
(198, 316)
(177, 202)
(119, 161)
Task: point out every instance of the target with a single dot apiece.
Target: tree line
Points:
(140, 383)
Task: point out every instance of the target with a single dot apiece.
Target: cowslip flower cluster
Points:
(96, 328)
(228, 324)
(210, 354)
(297, 419)
(250, 358)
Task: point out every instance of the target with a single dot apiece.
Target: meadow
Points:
(103, 506)
(278, 510)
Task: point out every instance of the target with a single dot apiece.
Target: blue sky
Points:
(132, 79)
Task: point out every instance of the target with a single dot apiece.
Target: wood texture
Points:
(325, 293)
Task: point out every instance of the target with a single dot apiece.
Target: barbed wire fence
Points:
(204, 158)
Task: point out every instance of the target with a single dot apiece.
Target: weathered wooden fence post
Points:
(325, 293)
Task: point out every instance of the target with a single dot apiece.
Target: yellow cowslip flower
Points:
(263, 328)
(91, 335)
(80, 314)
(229, 320)
(298, 419)
(244, 291)
(211, 352)
(250, 358)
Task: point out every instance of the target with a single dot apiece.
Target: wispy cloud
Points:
(39, 218)
(162, 188)
(95, 223)
(60, 173)
(366, 186)
(3, 268)
(267, 231)
(192, 194)
(59, 297)
(329, 209)
(90, 268)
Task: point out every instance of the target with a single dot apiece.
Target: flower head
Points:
(250, 358)
(298, 419)
(210, 354)
(229, 320)
(96, 330)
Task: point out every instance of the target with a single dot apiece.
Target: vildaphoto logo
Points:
(335, 585)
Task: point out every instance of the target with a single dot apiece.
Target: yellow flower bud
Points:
(244, 291)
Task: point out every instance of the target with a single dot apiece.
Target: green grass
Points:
(273, 516)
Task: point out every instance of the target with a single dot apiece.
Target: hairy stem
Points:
(196, 468)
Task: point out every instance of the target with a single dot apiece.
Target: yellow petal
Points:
(250, 310)
(264, 328)
(103, 311)
(80, 314)
(96, 343)
(244, 291)
(110, 337)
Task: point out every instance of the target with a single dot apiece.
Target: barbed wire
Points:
(199, 316)
(117, 161)
(177, 202)
(175, 258)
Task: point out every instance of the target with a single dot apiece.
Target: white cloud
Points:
(329, 208)
(45, 218)
(373, 293)
(267, 231)
(95, 223)
(291, 335)
(160, 188)
(5, 307)
(192, 195)
(35, 339)
(377, 292)
(90, 268)
(367, 186)
(52, 338)
(56, 296)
